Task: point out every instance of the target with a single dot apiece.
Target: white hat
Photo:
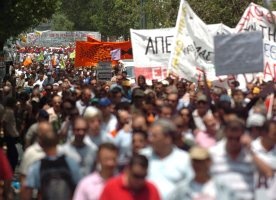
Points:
(256, 120)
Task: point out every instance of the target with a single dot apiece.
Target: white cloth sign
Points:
(151, 51)
(258, 18)
(57, 38)
(193, 47)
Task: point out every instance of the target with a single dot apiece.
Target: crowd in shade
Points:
(87, 139)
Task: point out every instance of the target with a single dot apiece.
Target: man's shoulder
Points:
(148, 152)
(114, 182)
(218, 149)
(179, 153)
(93, 178)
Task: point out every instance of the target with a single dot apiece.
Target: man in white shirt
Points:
(265, 148)
(82, 153)
(168, 165)
(40, 81)
(202, 186)
(95, 136)
(82, 104)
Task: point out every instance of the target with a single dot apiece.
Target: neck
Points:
(51, 151)
(233, 155)
(78, 143)
(203, 178)
(267, 144)
(106, 174)
(165, 152)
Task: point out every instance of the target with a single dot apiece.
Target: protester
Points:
(131, 184)
(234, 162)
(95, 136)
(168, 165)
(91, 186)
(159, 121)
(202, 186)
(82, 153)
(54, 176)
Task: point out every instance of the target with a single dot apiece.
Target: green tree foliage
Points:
(17, 16)
(228, 12)
(116, 17)
(61, 23)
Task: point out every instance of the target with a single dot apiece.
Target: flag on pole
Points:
(28, 61)
(40, 57)
(115, 54)
(62, 63)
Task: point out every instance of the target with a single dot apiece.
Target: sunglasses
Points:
(138, 176)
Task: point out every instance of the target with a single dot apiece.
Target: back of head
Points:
(91, 112)
(46, 135)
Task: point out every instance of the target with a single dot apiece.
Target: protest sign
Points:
(238, 53)
(58, 38)
(152, 48)
(193, 47)
(257, 18)
(151, 51)
(104, 71)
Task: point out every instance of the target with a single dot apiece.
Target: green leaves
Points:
(17, 16)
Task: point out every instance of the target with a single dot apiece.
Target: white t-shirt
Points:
(84, 156)
(262, 184)
(168, 172)
(32, 154)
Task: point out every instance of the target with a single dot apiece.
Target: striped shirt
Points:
(233, 178)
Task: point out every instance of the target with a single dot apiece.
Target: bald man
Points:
(34, 152)
(55, 111)
(43, 174)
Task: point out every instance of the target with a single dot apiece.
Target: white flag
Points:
(193, 47)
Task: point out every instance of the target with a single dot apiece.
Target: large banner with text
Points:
(58, 38)
(151, 51)
(258, 18)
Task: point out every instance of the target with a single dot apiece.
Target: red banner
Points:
(90, 53)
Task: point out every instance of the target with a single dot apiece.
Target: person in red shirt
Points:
(5, 177)
(132, 184)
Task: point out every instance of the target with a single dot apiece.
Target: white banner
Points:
(58, 38)
(151, 51)
(193, 47)
(258, 18)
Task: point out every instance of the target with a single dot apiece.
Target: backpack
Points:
(56, 179)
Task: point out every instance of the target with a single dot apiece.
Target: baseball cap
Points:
(202, 97)
(104, 102)
(256, 120)
(43, 114)
(225, 98)
(199, 153)
(138, 93)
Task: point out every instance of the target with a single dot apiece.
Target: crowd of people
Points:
(86, 139)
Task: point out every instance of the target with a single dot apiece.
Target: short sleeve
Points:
(33, 178)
